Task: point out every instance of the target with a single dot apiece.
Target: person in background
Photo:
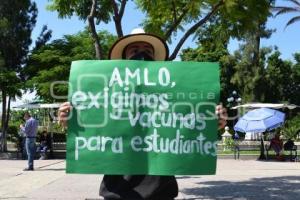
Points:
(30, 130)
(290, 146)
(277, 145)
(21, 144)
(138, 46)
(45, 144)
(236, 145)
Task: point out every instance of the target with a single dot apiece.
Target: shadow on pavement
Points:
(185, 177)
(283, 187)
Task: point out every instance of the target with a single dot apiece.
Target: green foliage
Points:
(292, 128)
(15, 33)
(162, 15)
(242, 71)
(91, 10)
(165, 15)
(13, 132)
(17, 116)
(43, 38)
(213, 40)
(17, 20)
(167, 18)
(249, 69)
(10, 83)
(279, 79)
(81, 8)
(229, 143)
(57, 128)
(52, 62)
(266, 78)
(294, 86)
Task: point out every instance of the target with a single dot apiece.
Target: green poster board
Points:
(141, 117)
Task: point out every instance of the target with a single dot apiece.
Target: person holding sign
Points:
(146, 47)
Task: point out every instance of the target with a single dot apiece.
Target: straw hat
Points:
(161, 51)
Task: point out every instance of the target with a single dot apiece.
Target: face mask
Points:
(141, 56)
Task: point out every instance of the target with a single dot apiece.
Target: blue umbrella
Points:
(260, 120)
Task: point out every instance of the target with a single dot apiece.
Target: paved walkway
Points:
(234, 180)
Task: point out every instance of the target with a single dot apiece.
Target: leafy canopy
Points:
(52, 62)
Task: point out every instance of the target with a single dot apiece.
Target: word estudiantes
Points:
(151, 143)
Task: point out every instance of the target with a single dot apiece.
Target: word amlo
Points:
(135, 77)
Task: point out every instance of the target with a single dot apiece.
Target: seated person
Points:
(45, 144)
(290, 146)
(276, 144)
(21, 144)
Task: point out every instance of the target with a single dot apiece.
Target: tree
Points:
(212, 46)
(52, 62)
(249, 71)
(295, 8)
(167, 18)
(17, 20)
(91, 11)
(294, 89)
(278, 79)
(291, 128)
(240, 72)
(43, 38)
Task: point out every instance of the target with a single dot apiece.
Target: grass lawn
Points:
(241, 152)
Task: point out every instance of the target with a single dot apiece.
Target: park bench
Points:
(57, 150)
(291, 154)
(240, 146)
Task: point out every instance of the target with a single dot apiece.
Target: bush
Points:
(229, 143)
(291, 128)
(12, 132)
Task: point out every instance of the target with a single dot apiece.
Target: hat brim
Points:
(161, 51)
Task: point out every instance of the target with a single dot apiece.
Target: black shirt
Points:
(138, 187)
(46, 140)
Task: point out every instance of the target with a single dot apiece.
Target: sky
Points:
(287, 40)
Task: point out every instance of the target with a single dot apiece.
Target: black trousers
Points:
(138, 187)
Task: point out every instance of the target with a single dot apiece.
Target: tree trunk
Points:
(255, 62)
(118, 26)
(118, 15)
(3, 121)
(94, 34)
(256, 46)
(6, 124)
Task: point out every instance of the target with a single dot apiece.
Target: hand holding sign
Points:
(63, 113)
